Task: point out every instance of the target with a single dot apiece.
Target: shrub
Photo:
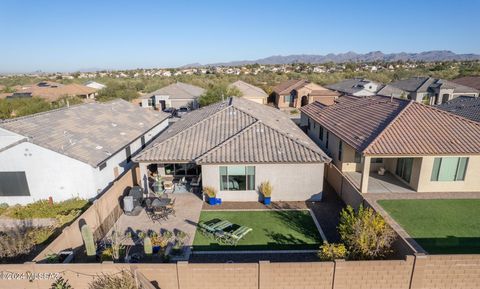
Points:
(121, 280)
(266, 189)
(365, 233)
(16, 242)
(65, 210)
(60, 283)
(330, 252)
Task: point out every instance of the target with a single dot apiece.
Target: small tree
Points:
(217, 93)
(365, 233)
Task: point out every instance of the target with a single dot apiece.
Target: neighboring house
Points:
(95, 85)
(422, 148)
(251, 92)
(52, 91)
(356, 87)
(466, 106)
(430, 90)
(72, 152)
(296, 93)
(234, 146)
(470, 81)
(174, 95)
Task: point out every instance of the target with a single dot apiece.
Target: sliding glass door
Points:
(404, 168)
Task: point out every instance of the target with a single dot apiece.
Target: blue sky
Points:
(72, 35)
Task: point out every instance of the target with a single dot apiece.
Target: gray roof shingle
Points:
(89, 132)
(350, 86)
(465, 106)
(178, 90)
(233, 131)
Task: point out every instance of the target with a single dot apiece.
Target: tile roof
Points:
(470, 81)
(351, 86)
(379, 125)
(287, 86)
(424, 84)
(52, 91)
(258, 133)
(465, 106)
(89, 132)
(355, 119)
(249, 90)
(178, 90)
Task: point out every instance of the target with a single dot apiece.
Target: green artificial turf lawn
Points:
(439, 226)
(272, 230)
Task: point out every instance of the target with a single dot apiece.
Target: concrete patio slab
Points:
(187, 213)
(387, 183)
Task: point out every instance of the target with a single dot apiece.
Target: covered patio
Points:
(388, 183)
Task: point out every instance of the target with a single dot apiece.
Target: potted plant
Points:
(266, 190)
(211, 194)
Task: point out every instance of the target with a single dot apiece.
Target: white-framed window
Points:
(449, 169)
(237, 178)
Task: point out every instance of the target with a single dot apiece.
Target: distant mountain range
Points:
(434, 55)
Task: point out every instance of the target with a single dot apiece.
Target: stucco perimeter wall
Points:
(291, 182)
(100, 217)
(314, 275)
(393, 274)
(414, 272)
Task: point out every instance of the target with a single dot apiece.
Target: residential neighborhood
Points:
(252, 145)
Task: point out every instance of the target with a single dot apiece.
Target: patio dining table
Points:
(161, 202)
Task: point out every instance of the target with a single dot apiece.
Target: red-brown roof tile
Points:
(382, 126)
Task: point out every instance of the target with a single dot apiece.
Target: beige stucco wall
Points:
(291, 182)
(470, 184)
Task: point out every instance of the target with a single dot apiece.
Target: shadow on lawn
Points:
(450, 245)
(283, 238)
(299, 221)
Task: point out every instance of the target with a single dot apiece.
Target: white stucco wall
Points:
(51, 174)
(291, 182)
(48, 174)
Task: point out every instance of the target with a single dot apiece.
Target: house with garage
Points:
(384, 144)
(428, 90)
(175, 95)
(234, 146)
(356, 87)
(250, 92)
(296, 93)
(70, 152)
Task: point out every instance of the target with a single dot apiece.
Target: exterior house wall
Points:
(279, 101)
(48, 173)
(291, 182)
(470, 184)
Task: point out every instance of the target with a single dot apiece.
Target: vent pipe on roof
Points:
(391, 97)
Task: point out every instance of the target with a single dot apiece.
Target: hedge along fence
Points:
(100, 217)
(414, 272)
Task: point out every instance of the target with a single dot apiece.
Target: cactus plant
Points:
(88, 240)
(147, 246)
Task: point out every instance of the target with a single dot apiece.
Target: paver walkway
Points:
(187, 213)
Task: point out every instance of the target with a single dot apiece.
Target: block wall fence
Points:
(414, 272)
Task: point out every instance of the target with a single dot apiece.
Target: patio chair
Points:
(170, 208)
(208, 228)
(232, 238)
